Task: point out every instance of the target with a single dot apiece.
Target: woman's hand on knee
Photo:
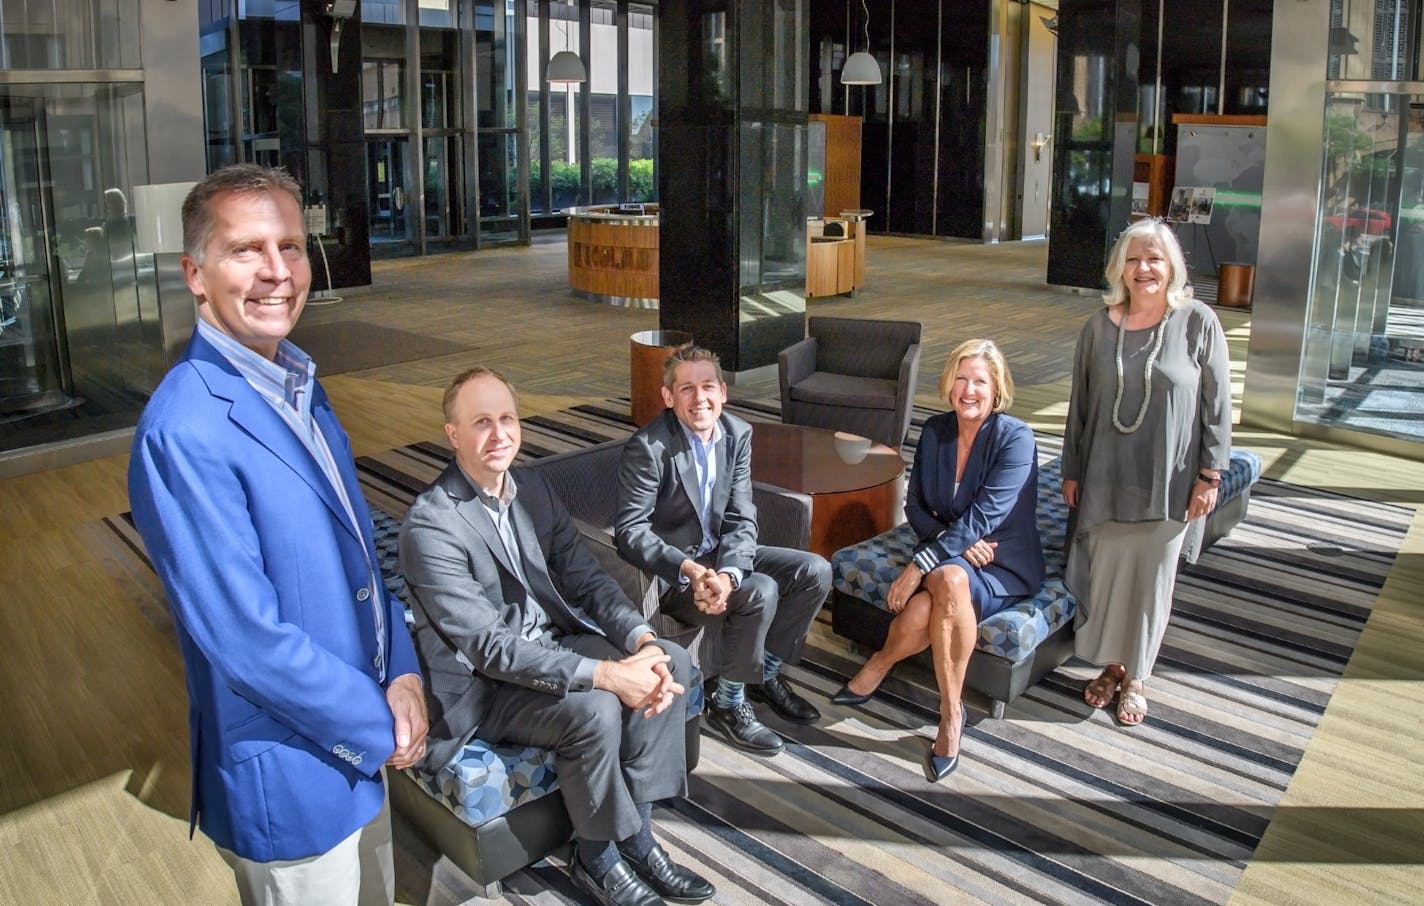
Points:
(905, 585)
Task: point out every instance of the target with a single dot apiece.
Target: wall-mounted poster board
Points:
(1221, 166)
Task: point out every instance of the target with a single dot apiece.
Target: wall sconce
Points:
(565, 67)
(861, 68)
(1037, 142)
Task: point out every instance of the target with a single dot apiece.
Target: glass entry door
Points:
(31, 377)
(386, 161)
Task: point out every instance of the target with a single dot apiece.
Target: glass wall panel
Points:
(1363, 363)
(69, 34)
(80, 341)
(499, 186)
(642, 138)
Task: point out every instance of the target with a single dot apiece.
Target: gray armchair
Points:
(852, 374)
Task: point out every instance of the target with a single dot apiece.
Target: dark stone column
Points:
(1094, 137)
(732, 174)
(335, 150)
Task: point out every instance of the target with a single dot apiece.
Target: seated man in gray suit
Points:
(527, 640)
(685, 514)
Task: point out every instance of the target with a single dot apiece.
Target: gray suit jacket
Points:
(464, 594)
(656, 525)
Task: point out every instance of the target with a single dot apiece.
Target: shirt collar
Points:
(503, 501)
(288, 378)
(696, 441)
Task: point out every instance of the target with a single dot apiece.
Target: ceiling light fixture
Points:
(861, 68)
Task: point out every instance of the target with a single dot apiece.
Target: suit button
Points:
(363, 595)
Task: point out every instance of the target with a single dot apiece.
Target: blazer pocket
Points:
(256, 736)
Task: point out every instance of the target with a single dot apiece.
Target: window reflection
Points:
(1363, 363)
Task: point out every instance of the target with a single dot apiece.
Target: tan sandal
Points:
(1100, 691)
(1131, 703)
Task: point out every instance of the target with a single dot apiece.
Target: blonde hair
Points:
(1179, 291)
(989, 351)
(690, 354)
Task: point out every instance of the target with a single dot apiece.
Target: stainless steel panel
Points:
(1295, 133)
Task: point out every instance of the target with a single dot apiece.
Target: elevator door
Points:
(31, 378)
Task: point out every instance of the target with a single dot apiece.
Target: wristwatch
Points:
(1210, 479)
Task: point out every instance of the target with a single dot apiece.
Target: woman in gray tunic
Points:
(1148, 434)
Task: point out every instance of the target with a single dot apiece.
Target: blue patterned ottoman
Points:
(491, 809)
(1019, 645)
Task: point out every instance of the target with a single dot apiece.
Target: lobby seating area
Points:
(94, 808)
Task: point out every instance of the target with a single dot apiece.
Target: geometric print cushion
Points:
(866, 570)
(486, 780)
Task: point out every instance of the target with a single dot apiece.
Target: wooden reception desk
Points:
(613, 253)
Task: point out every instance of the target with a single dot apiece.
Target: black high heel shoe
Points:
(846, 697)
(938, 767)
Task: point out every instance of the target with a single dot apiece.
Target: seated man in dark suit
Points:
(527, 640)
(685, 514)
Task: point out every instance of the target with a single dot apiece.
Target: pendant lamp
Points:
(861, 68)
(565, 66)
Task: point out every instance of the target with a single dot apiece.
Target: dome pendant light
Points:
(565, 67)
(861, 68)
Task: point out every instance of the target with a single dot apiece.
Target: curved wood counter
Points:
(613, 254)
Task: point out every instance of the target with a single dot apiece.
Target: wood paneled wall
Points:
(842, 163)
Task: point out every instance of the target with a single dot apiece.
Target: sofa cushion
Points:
(827, 389)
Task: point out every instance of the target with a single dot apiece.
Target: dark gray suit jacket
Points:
(657, 526)
(464, 594)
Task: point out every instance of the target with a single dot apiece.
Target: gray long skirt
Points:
(1122, 575)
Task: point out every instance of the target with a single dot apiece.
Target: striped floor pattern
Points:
(1054, 803)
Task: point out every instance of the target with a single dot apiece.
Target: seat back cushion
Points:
(862, 347)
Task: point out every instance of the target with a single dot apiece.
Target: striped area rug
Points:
(1054, 803)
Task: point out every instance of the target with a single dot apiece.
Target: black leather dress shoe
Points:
(778, 693)
(620, 887)
(844, 696)
(670, 880)
(740, 727)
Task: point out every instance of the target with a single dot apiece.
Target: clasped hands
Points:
(641, 680)
(709, 587)
(980, 554)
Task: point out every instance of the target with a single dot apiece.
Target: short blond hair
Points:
(989, 351)
(447, 403)
(690, 354)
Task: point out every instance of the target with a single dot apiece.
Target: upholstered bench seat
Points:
(1018, 645)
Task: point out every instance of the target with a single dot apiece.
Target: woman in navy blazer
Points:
(972, 500)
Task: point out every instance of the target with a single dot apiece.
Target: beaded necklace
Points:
(1146, 374)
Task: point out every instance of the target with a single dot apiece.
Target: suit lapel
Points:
(475, 514)
(256, 417)
(685, 464)
(532, 553)
(722, 487)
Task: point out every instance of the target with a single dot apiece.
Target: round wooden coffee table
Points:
(853, 483)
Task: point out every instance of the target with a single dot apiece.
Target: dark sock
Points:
(640, 844)
(597, 857)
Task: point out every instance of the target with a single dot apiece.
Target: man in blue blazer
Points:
(302, 679)
(685, 514)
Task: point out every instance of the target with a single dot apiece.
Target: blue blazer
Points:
(997, 499)
(267, 581)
